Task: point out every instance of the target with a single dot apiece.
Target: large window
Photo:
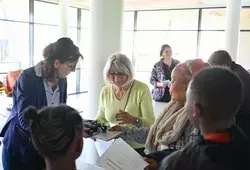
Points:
(213, 19)
(41, 41)
(84, 47)
(14, 46)
(168, 20)
(210, 41)
(46, 13)
(190, 32)
(178, 28)
(244, 39)
(14, 35)
(17, 10)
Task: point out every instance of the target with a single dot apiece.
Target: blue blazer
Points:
(28, 91)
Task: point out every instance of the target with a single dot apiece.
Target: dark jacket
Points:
(209, 155)
(243, 114)
(28, 91)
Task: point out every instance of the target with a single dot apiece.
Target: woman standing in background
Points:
(161, 74)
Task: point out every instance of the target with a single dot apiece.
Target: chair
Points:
(10, 80)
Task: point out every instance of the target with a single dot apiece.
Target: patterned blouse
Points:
(161, 72)
(191, 133)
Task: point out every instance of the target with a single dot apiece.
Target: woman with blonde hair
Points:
(124, 100)
(172, 130)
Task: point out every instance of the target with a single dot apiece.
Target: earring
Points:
(194, 114)
(162, 57)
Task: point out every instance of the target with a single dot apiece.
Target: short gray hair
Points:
(122, 64)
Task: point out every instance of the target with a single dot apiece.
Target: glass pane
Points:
(210, 41)
(148, 44)
(147, 47)
(183, 43)
(127, 44)
(14, 10)
(245, 18)
(14, 45)
(85, 19)
(46, 13)
(84, 45)
(73, 35)
(168, 20)
(71, 79)
(41, 41)
(213, 19)
(73, 17)
(128, 22)
(244, 50)
(143, 76)
(83, 82)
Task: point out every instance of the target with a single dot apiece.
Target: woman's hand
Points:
(125, 118)
(115, 128)
(152, 163)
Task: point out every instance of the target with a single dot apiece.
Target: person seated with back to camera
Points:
(223, 58)
(57, 134)
(172, 130)
(213, 98)
(124, 100)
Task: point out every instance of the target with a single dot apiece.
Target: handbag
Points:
(158, 93)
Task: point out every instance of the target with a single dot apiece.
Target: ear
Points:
(56, 63)
(197, 110)
(79, 146)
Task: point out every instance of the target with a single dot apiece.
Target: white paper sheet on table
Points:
(120, 156)
(87, 166)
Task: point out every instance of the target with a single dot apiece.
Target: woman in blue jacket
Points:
(43, 85)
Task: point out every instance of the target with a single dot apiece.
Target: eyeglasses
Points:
(120, 75)
(71, 67)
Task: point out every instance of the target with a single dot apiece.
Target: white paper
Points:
(120, 156)
(87, 166)
(166, 81)
(102, 146)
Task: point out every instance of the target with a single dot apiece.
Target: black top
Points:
(204, 154)
(243, 114)
(167, 72)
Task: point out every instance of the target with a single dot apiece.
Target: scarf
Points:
(168, 128)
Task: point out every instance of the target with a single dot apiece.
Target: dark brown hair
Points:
(53, 129)
(163, 48)
(63, 50)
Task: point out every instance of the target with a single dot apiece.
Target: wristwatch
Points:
(137, 121)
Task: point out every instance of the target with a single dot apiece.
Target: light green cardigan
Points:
(139, 104)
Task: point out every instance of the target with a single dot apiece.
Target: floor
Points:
(78, 102)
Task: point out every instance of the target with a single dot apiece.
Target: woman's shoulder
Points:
(140, 85)
(27, 76)
(176, 62)
(157, 63)
(106, 88)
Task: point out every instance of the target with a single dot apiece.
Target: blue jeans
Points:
(11, 161)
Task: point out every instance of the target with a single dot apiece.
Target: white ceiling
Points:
(162, 4)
